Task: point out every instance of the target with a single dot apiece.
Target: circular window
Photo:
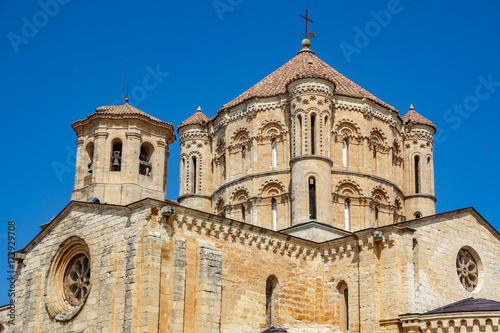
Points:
(77, 280)
(467, 269)
(68, 279)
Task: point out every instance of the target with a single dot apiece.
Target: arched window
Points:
(145, 160)
(90, 157)
(417, 174)
(417, 215)
(344, 153)
(183, 175)
(374, 159)
(223, 164)
(243, 213)
(312, 198)
(244, 158)
(220, 208)
(116, 156)
(347, 215)
(299, 135)
(326, 129)
(344, 306)
(313, 134)
(274, 207)
(271, 284)
(376, 216)
(194, 174)
(274, 151)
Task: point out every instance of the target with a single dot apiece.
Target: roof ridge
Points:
(122, 109)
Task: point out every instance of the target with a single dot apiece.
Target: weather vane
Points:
(307, 34)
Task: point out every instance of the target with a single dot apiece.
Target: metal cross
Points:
(307, 34)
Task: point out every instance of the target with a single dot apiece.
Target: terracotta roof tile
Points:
(123, 109)
(304, 65)
(197, 118)
(414, 117)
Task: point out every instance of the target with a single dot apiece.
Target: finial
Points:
(125, 97)
(199, 109)
(306, 42)
(411, 106)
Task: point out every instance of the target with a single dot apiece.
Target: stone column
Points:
(99, 155)
(80, 169)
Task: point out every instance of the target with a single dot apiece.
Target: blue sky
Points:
(61, 59)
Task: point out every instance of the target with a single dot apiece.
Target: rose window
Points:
(467, 269)
(77, 280)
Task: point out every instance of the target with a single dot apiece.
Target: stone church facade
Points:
(306, 204)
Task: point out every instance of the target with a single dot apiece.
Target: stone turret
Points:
(195, 184)
(419, 165)
(311, 100)
(122, 156)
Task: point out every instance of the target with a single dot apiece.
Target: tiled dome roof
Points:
(197, 118)
(304, 65)
(415, 118)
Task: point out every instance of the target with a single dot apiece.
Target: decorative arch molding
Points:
(188, 169)
(221, 145)
(240, 194)
(240, 135)
(380, 194)
(378, 136)
(313, 110)
(419, 135)
(348, 128)
(271, 188)
(193, 135)
(296, 112)
(219, 205)
(271, 128)
(349, 187)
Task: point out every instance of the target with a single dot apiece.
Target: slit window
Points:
(312, 198)
(344, 153)
(195, 172)
(344, 306)
(313, 132)
(271, 284)
(417, 174)
(347, 215)
(274, 206)
(244, 158)
(274, 150)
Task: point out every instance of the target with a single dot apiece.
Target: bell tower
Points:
(122, 155)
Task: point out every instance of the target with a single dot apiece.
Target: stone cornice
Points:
(451, 322)
(362, 174)
(190, 220)
(247, 177)
(311, 157)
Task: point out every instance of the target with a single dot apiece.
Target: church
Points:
(306, 204)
